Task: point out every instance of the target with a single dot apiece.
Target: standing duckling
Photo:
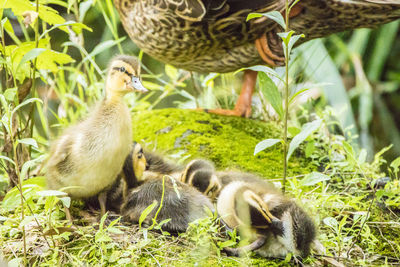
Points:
(130, 177)
(87, 158)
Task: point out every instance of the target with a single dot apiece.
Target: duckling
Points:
(279, 224)
(130, 177)
(201, 174)
(182, 208)
(86, 159)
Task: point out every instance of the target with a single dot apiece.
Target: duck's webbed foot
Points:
(243, 104)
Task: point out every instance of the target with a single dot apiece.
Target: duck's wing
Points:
(198, 10)
(320, 18)
(60, 155)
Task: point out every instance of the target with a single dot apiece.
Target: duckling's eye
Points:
(140, 155)
(122, 69)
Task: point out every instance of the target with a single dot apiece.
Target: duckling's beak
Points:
(137, 85)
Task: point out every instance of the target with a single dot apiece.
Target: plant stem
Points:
(285, 119)
(20, 191)
(33, 88)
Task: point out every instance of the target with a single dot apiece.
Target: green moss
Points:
(228, 141)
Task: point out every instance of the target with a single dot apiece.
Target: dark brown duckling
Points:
(182, 207)
(278, 224)
(201, 174)
(157, 166)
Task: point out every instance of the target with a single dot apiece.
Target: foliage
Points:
(53, 56)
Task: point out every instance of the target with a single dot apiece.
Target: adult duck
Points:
(213, 35)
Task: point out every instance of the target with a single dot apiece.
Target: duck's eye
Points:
(122, 69)
(140, 155)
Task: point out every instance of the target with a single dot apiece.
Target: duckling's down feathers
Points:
(89, 155)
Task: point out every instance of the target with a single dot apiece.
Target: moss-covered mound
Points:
(228, 141)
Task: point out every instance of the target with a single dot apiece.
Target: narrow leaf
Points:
(271, 93)
(50, 193)
(7, 159)
(265, 144)
(306, 130)
(32, 54)
(274, 15)
(265, 69)
(28, 141)
(146, 212)
(314, 178)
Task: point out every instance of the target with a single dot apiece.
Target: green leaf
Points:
(314, 178)
(265, 144)
(32, 54)
(286, 36)
(265, 69)
(66, 201)
(395, 165)
(7, 159)
(10, 93)
(306, 131)
(76, 27)
(299, 92)
(146, 212)
(293, 40)
(175, 186)
(49, 193)
(102, 220)
(271, 93)
(274, 15)
(83, 8)
(171, 72)
(29, 164)
(331, 222)
(30, 100)
(28, 141)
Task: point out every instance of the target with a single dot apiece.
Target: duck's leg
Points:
(102, 201)
(243, 105)
(68, 215)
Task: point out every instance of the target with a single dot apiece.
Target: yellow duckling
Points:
(87, 157)
(130, 177)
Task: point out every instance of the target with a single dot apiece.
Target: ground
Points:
(339, 207)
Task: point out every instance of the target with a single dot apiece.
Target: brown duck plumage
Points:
(213, 35)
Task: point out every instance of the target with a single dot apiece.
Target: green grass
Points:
(357, 73)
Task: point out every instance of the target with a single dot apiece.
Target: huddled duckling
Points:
(280, 224)
(244, 199)
(86, 159)
(182, 207)
(201, 174)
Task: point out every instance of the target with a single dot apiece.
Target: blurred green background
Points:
(360, 68)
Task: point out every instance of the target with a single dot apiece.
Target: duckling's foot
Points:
(102, 201)
(68, 215)
(258, 243)
(243, 105)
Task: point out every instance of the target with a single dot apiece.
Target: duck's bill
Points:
(138, 86)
